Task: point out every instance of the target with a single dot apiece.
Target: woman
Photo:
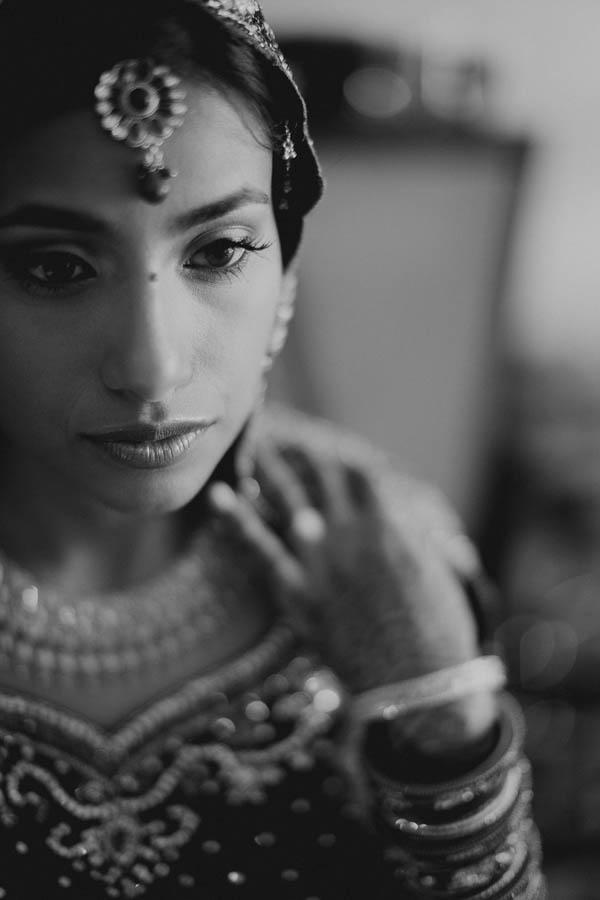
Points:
(237, 656)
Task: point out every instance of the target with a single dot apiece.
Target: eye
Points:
(55, 269)
(223, 257)
(221, 254)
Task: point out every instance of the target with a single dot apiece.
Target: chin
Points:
(151, 494)
(135, 488)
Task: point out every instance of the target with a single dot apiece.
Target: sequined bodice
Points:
(226, 788)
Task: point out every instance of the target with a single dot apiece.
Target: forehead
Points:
(71, 160)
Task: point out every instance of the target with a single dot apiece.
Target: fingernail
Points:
(222, 496)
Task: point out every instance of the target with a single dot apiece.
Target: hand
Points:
(366, 576)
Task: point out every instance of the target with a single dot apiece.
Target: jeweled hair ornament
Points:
(141, 104)
(302, 183)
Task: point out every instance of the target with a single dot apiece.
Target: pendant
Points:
(154, 183)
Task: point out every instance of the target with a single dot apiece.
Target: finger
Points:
(281, 486)
(329, 487)
(303, 525)
(364, 491)
(288, 579)
(247, 525)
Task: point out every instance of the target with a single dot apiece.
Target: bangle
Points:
(508, 871)
(493, 873)
(472, 836)
(448, 796)
(484, 673)
(486, 817)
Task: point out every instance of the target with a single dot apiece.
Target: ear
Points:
(283, 315)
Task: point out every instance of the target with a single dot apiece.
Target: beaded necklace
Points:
(115, 633)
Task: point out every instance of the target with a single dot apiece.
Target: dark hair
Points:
(52, 54)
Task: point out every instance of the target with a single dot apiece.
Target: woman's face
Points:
(115, 313)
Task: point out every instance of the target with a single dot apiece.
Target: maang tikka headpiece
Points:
(141, 104)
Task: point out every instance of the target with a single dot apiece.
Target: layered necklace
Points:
(117, 633)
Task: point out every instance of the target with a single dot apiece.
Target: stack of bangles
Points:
(468, 837)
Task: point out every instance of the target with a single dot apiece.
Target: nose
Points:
(149, 354)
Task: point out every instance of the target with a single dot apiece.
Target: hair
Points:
(52, 54)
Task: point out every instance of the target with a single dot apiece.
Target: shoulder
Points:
(320, 440)
(310, 444)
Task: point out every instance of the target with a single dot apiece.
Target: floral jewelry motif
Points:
(122, 844)
(141, 104)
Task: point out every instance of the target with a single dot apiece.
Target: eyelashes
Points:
(49, 271)
(224, 257)
(55, 271)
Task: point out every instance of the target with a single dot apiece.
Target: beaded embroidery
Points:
(120, 823)
(116, 633)
(247, 15)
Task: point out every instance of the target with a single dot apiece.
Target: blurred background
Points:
(449, 311)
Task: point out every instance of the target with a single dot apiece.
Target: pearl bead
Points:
(223, 728)
(257, 711)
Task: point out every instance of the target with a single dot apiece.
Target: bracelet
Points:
(464, 791)
(456, 855)
(493, 873)
(488, 816)
(510, 872)
(528, 884)
(484, 673)
(472, 836)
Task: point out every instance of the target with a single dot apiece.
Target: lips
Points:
(144, 446)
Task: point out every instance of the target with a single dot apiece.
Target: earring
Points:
(289, 154)
(281, 324)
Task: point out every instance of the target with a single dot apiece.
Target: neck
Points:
(79, 547)
(75, 548)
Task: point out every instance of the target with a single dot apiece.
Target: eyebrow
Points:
(34, 215)
(244, 197)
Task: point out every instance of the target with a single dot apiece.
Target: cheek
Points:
(38, 372)
(242, 335)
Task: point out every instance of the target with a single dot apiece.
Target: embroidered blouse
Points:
(248, 783)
